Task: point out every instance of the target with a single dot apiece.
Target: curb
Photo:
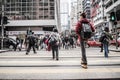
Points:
(4, 51)
(115, 50)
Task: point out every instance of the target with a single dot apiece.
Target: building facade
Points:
(113, 6)
(37, 15)
(98, 15)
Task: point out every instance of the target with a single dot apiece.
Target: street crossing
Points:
(17, 65)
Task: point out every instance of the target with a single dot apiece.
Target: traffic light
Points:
(5, 30)
(112, 16)
(5, 20)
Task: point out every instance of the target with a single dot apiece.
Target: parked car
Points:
(8, 43)
(113, 42)
(92, 42)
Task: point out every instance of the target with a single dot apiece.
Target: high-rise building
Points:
(37, 15)
(73, 15)
(79, 8)
(64, 15)
(86, 8)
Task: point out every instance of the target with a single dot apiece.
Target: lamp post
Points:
(2, 25)
(103, 25)
(115, 24)
(103, 5)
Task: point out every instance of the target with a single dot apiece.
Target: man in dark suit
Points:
(31, 43)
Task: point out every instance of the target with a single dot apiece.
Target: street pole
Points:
(103, 5)
(115, 23)
(2, 26)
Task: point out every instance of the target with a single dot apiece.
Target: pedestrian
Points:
(54, 44)
(80, 30)
(26, 42)
(101, 47)
(18, 45)
(100, 40)
(71, 42)
(105, 38)
(63, 42)
(66, 42)
(31, 43)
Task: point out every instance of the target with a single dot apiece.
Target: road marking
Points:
(60, 61)
(29, 71)
(45, 56)
(56, 63)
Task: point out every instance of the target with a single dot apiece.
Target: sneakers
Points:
(26, 53)
(35, 52)
(84, 66)
(57, 59)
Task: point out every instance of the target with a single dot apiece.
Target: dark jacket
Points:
(32, 40)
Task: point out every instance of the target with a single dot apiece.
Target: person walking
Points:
(54, 44)
(105, 38)
(31, 43)
(79, 30)
(18, 45)
(26, 42)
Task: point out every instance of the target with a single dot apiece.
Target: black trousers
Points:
(55, 53)
(29, 48)
(83, 51)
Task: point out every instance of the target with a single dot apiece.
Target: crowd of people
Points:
(49, 42)
(42, 41)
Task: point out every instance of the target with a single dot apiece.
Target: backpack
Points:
(53, 41)
(104, 38)
(86, 31)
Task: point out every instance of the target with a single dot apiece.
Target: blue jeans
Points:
(106, 51)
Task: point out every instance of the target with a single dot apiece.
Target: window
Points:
(51, 4)
(40, 4)
(40, 17)
(45, 1)
(24, 1)
(51, 0)
(51, 12)
(45, 4)
(46, 17)
(52, 17)
(8, 1)
(23, 4)
(51, 8)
